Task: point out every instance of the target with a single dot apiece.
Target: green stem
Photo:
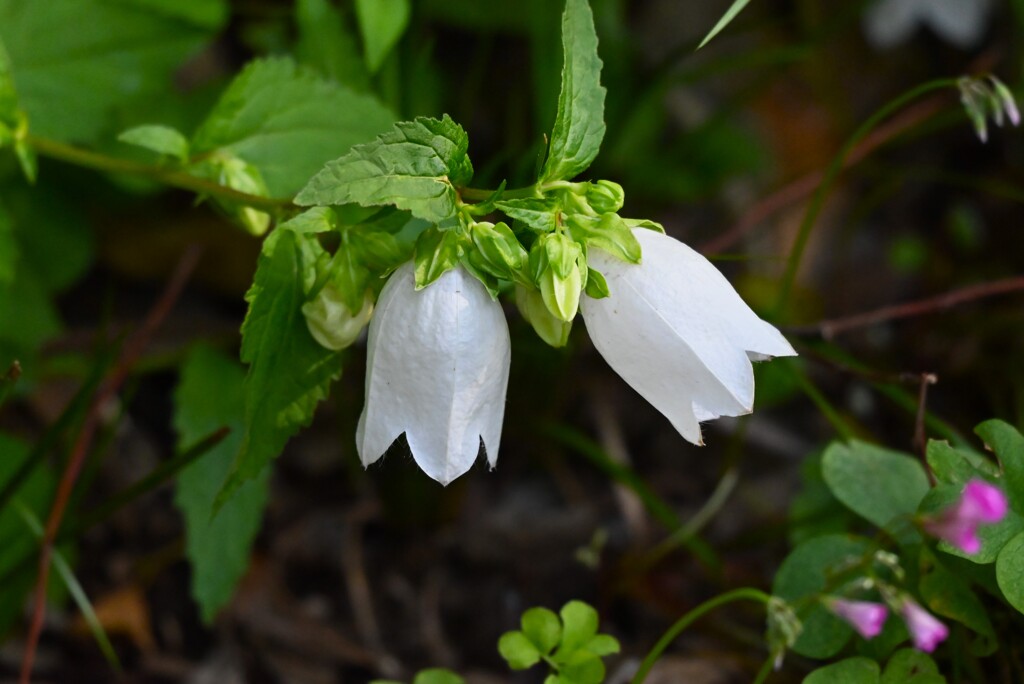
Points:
(765, 670)
(682, 623)
(178, 179)
(818, 201)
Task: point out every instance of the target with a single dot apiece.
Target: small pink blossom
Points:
(980, 504)
(866, 617)
(925, 630)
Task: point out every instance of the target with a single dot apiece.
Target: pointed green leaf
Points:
(415, 166)
(287, 122)
(730, 14)
(382, 23)
(159, 139)
(211, 395)
(289, 372)
(579, 123)
(610, 233)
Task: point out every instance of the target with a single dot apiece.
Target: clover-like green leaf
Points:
(520, 652)
(543, 628)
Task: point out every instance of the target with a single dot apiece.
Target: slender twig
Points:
(920, 442)
(168, 176)
(830, 328)
(129, 356)
(802, 187)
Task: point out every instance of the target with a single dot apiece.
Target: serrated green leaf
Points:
(287, 122)
(289, 372)
(382, 23)
(850, 671)
(609, 233)
(328, 44)
(1008, 445)
(415, 166)
(730, 14)
(579, 123)
(159, 139)
(543, 628)
(517, 649)
(98, 58)
(909, 666)
(211, 395)
(1010, 571)
(539, 215)
(806, 572)
(437, 252)
(877, 484)
(579, 627)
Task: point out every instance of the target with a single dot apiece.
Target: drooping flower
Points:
(926, 631)
(678, 333)
(866, 617)
(959, 22)
(979, 504)
(437, 370)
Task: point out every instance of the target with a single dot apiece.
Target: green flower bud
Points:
(331, 323)
(554, 265)
(605, 197)
(550, 329)
(497, 250)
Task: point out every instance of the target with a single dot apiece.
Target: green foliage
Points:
(579, 122)
(1010, 571)
(328, 45)
(430, 676)
(1008, 445)
(906, 666)
(159, 139)
(287, 122)
(437, 252)
(210, 396)
(289, 372)
(734, 9)
(382, 23)
(78, 79)
(569, 643)
(877, 484)
(415, 166)
(849, 671)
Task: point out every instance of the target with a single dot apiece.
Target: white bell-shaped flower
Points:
(958, 22)
(677, 332)
(437, 370)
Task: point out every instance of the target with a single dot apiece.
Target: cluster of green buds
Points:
(985, 98)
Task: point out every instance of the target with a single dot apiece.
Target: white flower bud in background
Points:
(961, 23)
(331, 323)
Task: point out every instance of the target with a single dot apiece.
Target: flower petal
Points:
(437, 370)
(675, 329)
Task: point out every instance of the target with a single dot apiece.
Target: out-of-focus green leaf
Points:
(1008, 445)
(8, 248)
(75, 62)
(287, 121)
(730, 14)
(910, 666)
(289, 372)
(949, 596)
(857, 670)
(579, 122)
(1010, 571)
(159, 139)
(208, 14)
(210, 396)
(415, 166)
(382, 23)
(326, 43)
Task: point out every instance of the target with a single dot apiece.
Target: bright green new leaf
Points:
(806, 572)
(437, 252)
(518, 650)
(608, 232)
(327, 44)
(416, 166)
(579, 627)
(597, 286)
(875, 483)
(499, 250)
(287, 122)
(159, 139)
(543, 628)
(210, 396)
(857, 670)
(78, 62)
(1010, 571)
(579, 123)
(382, 23)
(582, 667)
(540, 215)
(730, 14)
(437, 675)
(289, 372)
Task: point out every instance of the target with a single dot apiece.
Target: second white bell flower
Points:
(437, 370)
(678, 333)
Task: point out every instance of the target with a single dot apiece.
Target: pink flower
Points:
(925, 630)
(980, 504)
(866, 617)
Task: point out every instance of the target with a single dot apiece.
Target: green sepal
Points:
(437, 252)
(609, 233)
(538, 214)
(160, 139)
(562, 295)
(499, 251)
(562, 253)
(597, 286)
(605, 197)
(645, 223)
(532, 307)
